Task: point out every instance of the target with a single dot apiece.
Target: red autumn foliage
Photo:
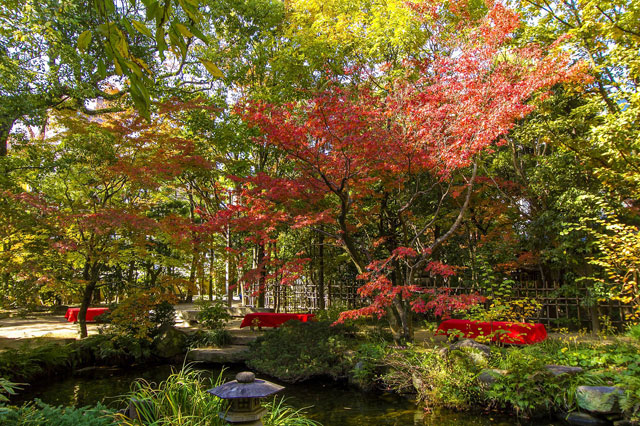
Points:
(359, 156)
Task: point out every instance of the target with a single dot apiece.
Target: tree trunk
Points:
(227, 275)
(262, 280)
(211, 254)
(192, 277)
(6, 123)
(400, 321)
(320, 289)
(90, 274)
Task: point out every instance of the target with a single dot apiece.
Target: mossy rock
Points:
(599, 399)
(169, 343)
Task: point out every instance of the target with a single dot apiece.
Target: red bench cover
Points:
(72, 313)
(270, 319)
(517, 333)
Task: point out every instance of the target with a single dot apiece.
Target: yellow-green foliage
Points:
(618, 256)
(373, 28)
(134, 318)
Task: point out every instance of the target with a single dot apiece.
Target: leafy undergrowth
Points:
(615, 362)
(38, 413)
(30, 362)
(526, 387)
(298, 351)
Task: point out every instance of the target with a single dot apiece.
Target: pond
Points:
(329, 403)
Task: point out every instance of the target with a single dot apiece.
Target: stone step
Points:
(242, 339)
(228, 355)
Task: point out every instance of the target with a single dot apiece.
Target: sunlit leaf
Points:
(83, 40)
(212, 68)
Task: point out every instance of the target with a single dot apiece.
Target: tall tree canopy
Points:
(376, 167)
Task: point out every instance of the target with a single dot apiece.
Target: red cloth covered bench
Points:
(270, 319)
(92, 313)
(516, 333)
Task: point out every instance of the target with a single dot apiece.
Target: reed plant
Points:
(281, 414)
(182, 400)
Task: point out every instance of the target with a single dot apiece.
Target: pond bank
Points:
(332, 404)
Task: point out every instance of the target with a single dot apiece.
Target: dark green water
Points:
(329, 403)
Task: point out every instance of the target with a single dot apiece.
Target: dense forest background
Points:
(158, 151)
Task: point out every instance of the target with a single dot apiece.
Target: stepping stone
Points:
(558, 370)
(242, 339)
(227, 355)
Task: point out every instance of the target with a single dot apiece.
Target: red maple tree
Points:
(376, 170)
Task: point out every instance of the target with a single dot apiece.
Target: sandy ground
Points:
(17, 331)
(43, 328)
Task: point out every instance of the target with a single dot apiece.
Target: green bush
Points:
(634, 332)
(438, 380)
(297, 351)
(162, 314)
(29, 361)
(332, 313)
(32, 361)
(213, 315)
(40, 414)
(370, 360)
(527, 388)
(7, 388)
(142, 314)
(205, 338)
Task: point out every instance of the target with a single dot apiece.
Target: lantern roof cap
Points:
(245, 386)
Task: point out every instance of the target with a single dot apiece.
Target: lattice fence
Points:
(303, 296)
(562, 305)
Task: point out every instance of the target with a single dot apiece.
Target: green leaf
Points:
(196, 31)
(160, 41)
(102, 69)
(152, 9)
(184, 30)
(212, 68)
(83, 40)
(142, 28)
(177, 41)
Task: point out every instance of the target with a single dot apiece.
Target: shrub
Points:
(141, 315)
(212, 315)
(7, 388)
(218, 338)
(527, 387)
(634, 332)
(332, 313)
(370, 357)
(40, 414)
(30, 361)
(162, 314)
(438, 381)
(297, 351)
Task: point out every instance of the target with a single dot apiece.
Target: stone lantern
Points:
(245, 394)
